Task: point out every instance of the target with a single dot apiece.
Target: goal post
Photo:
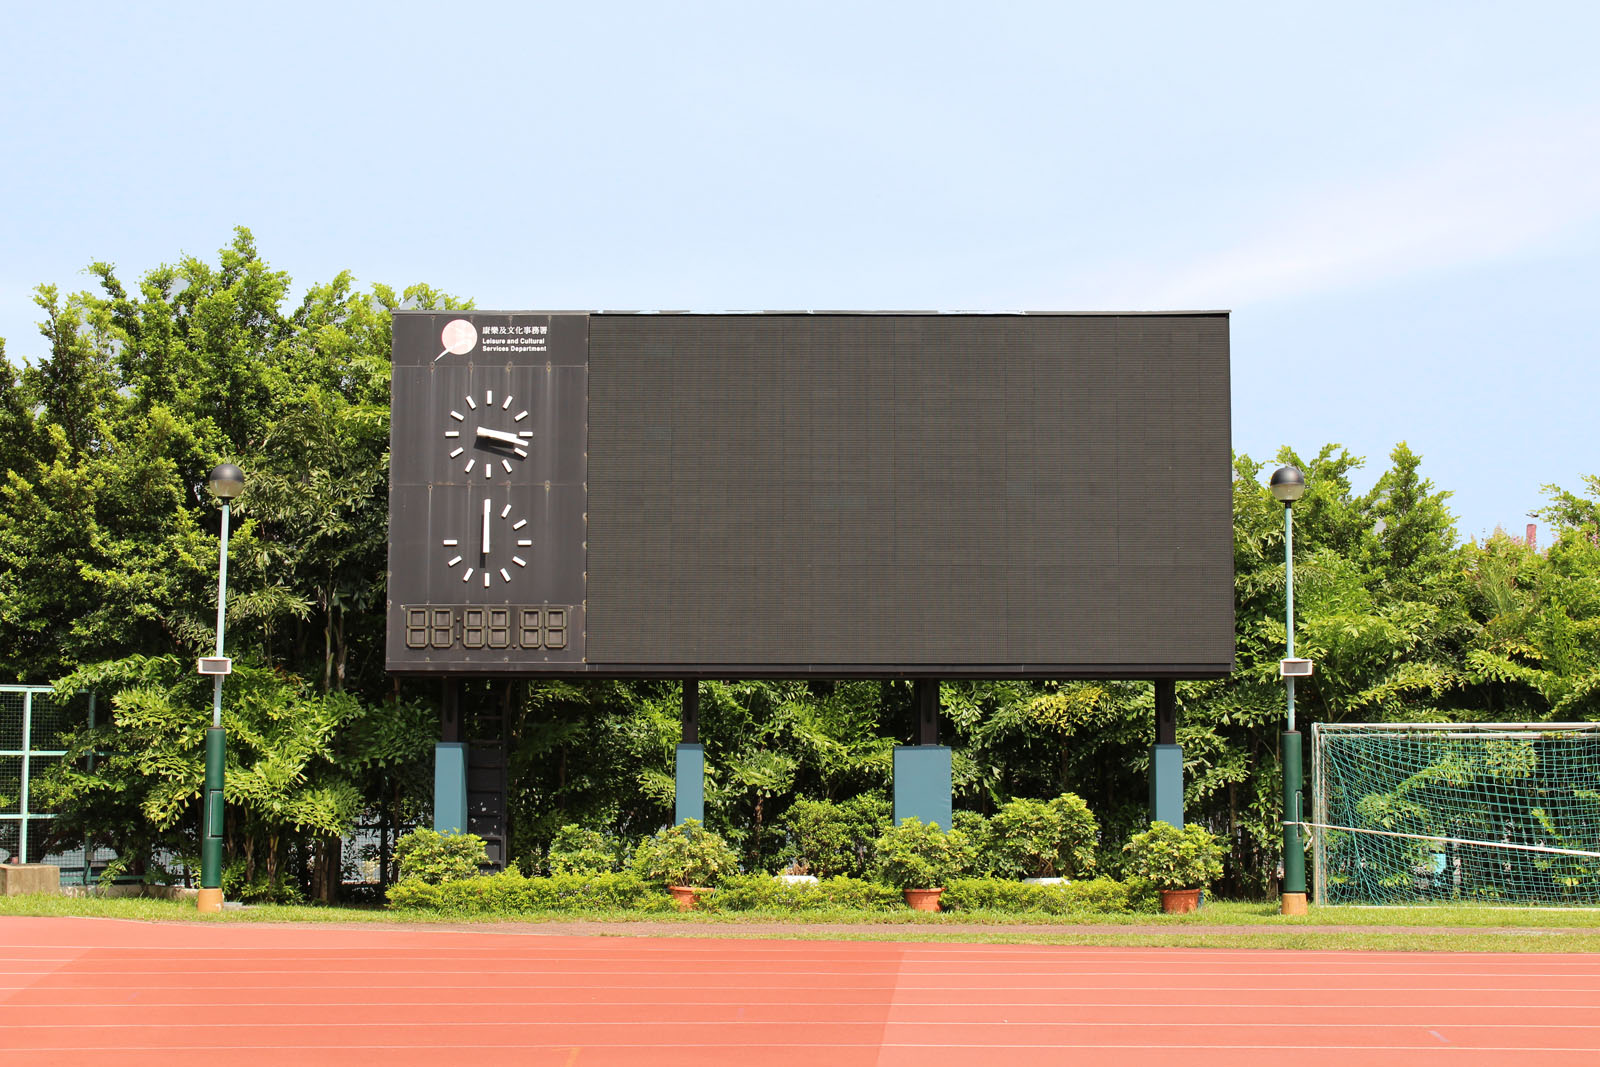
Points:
(1486, 813)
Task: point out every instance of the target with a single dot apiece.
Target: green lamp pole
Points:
(1289, 485)
(225, 482)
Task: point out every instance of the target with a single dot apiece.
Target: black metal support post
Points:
(1166, 711)
(450, 712)
(691, 711)
(925, 694)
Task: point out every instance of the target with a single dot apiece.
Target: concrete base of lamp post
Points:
(209, 901)
(1293, 904)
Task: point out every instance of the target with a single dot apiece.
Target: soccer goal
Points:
(1486, 813)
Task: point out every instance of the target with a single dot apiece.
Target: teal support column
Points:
(691, 777)
(1166, 758)
(1166, 784)
(450, 787)
(922, 783)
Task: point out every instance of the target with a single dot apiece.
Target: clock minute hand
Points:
(499, 435)
(486, 527)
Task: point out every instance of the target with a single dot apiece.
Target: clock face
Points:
(494, 551)
(487, 434)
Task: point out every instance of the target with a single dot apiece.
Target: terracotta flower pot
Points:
(687, 897)
(923, 899)
(1179, 901)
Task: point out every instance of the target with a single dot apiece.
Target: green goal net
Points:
(1490, 813)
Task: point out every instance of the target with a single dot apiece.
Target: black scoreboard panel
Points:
(1042, 495)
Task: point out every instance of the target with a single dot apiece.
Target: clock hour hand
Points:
(499, 435)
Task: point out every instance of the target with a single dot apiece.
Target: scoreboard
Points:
(811, 494)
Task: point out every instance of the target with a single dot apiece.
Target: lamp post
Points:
(225, 482)
(1288, 485)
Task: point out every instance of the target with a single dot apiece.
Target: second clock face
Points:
(493, 547)
(487, 434)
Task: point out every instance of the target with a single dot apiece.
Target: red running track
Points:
(392, 995)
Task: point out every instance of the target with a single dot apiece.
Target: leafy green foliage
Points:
(1035, 839)
(429, 856)
(575, 850)
(1093, 897)
(919, 855)
(1171, 858)
(829, 839)
(687, 854)
(763, 892)
(510, 892)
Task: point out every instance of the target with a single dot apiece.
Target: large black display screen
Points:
(1042, 495)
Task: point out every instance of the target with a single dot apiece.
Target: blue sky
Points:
(1399, 202)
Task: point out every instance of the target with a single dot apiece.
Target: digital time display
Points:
(452, 627)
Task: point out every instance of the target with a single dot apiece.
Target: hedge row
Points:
(510, 891)
(1096, 896)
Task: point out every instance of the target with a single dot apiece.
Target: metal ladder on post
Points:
(486, 773)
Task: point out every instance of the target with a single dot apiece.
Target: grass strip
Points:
(1221, 924)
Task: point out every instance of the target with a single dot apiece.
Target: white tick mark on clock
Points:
(470, 464)
(505, 511)
(488, 396)
(471, 403)
(507, 405)
(522, 453)
(457, 415)
(467, 576)
(523, 542)
(456, 560)
(452, 433)
(520, 416)
(450, 542)
(519, 524)
(519, 561)
(506, 463)
(457, 452)
(503, 575)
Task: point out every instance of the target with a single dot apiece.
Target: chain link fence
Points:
(34, 723)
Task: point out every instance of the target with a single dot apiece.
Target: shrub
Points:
(918, 855)
(1036, 839)
(860, 893)
(686, 854)
(510, 892)
(434, 857)
(979, 837)
(753, 892)
(827, 838)
(575, 850)
(260, 889)
(1098, 896)
(1171, 858)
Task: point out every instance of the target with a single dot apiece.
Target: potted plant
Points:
(918, 858)
(1043, 842)
(688, 859)
(1180, 863)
